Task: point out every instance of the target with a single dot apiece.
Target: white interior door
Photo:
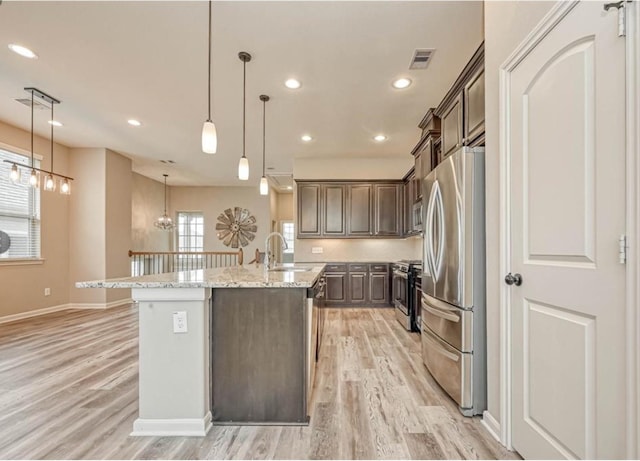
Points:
(566, 145)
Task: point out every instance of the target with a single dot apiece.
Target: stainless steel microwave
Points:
(417, 216)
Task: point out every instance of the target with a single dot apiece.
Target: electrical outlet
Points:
(47, 291)
(317, 250)
(180, 322)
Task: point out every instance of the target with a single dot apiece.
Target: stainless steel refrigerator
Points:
(453, 280)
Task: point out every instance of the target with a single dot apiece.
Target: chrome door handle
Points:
(513, 279)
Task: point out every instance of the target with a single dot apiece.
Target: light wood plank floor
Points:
(68, 390)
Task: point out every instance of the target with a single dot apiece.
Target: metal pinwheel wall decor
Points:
(236, 227)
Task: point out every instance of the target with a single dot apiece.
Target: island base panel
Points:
(258, 356)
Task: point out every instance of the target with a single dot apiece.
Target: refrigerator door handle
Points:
(438, 257)
(428, 234)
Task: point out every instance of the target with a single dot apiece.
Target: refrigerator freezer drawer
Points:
(450, 323)
(450, 367)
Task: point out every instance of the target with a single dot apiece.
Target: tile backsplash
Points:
(384, 250)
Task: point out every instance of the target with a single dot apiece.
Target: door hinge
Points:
(622, 15)
(622, 249)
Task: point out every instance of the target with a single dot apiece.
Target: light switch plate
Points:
(317, 250)
(180, 322)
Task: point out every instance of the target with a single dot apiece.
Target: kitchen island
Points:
(230, 345)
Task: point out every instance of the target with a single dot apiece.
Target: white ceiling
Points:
(111, 61)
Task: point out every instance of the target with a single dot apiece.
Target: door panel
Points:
(388, 209)
(452, 127)
(567, 156)
(360, 210)
(308, 210)
(334, 210)
(379, 288)
(357, 288)
(336, 289)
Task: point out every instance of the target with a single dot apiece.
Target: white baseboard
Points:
(196, 427)
(119, 302)
(491, 425)
(62, 307)
(34, 313)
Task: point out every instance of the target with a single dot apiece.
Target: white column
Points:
(174, 367)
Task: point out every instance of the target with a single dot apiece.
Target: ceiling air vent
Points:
(167, 161)
(421, 58)
(38, 105)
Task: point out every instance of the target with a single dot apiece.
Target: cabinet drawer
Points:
(358, 268)
(450, 323)
(332, 267)
(378, 268)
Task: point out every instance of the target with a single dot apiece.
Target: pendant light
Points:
(164, 222)
(209, 133)
(264, 185)
(243, 166)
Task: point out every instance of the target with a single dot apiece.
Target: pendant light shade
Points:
(264, 185)
(14, 175)
(49, 183)
(65, 186)
(209, 138)
(209, 133)
(164, 222)
(243, 166)
(34, 179)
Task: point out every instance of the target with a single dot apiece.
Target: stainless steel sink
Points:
(290, 269)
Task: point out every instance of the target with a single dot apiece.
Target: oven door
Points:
(400, 290)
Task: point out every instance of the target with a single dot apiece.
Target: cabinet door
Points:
(388, 209)
(452, 127)
(336, 289)
(379, 288)
(474, 107)
(360, 210)
(334, 201)
(309, 210)
(358, 288)
(426, 159)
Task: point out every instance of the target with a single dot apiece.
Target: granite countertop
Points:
(250, 276)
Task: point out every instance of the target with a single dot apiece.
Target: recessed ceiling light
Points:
(401, 83)
(134, 122)
(289, 187)
(380, 138)
(23, 51)
(306, 138)
(293, 84)
(55, 123)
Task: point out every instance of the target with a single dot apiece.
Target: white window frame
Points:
(179, 232)
(38, 259)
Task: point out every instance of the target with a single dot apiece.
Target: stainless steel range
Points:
(403, 293)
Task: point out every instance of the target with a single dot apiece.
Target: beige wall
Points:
(100, 223)
(118, 221)
(22, 287)
(353, 168)
(285, 207)
(147, 202)
(214, 200)
(506, 25)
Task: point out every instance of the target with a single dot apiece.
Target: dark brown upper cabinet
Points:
(474, 108)
(334, 214)
(452, 126)
(309, 210)
(360, 210)
(388, 209)
(462, 109)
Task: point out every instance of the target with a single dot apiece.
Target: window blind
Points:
(19, 209)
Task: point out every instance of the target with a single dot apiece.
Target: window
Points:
(288, 234)
(19, 209)
(190, 231)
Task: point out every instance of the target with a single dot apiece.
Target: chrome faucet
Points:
(267, 259)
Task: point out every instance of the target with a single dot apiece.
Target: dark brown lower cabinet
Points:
(357, 285)
(379, 288)
(336, 290)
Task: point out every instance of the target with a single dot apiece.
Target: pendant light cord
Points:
(244, 105)
(32, 163)
(264, 132)
(209, 81)
(165, 193)
(52, 119)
